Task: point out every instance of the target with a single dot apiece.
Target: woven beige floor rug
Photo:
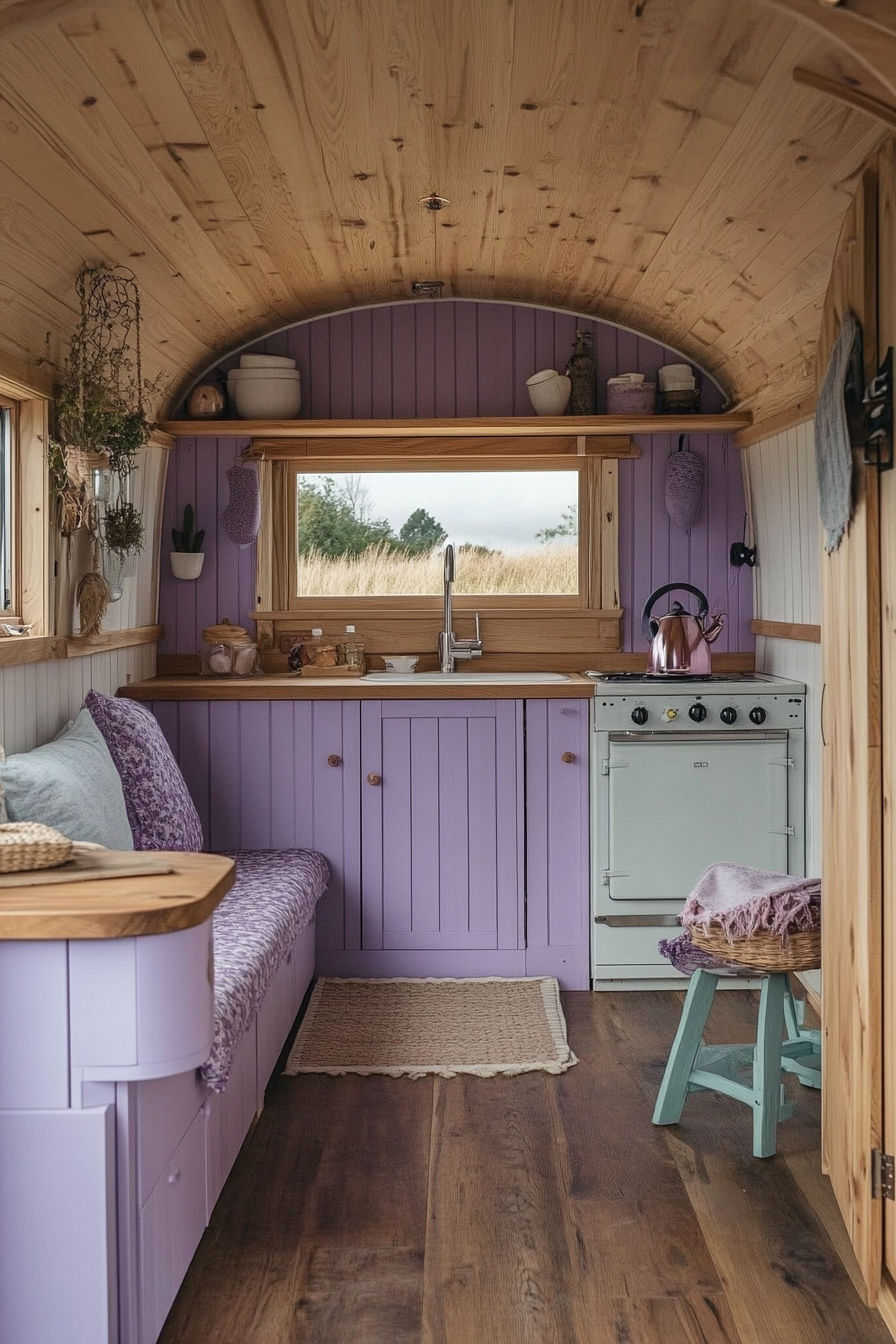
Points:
(413, 1028)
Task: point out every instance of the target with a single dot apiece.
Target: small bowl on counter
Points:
(401, 663)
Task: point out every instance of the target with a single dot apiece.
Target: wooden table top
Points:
(119, 907)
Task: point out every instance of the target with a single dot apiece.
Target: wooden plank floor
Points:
(528, 1210)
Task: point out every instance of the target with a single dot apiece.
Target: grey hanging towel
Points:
(684, 486)
(833, 451)
(242, 517)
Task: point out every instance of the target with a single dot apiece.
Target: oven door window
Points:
(680, 804)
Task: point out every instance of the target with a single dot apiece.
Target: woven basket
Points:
(799, 951)
(26, 845)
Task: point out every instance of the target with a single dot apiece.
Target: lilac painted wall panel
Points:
(462, 358)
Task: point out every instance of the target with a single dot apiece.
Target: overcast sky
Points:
(500, 509)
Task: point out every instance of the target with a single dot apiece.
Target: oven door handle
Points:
(637, 921)
(653, 737)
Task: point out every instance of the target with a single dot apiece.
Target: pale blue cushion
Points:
(71, 784)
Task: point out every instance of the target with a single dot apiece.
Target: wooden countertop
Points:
(274, 687)
(119, 907)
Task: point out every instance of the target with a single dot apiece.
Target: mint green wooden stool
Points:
(749, 1073)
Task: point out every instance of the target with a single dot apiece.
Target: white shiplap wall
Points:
(780, 478)
(37, 699)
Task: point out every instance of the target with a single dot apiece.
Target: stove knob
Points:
(758, 715)
(697, 712)
(640, 715)
(728, 714)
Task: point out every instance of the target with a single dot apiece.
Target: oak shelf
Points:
(499, 426)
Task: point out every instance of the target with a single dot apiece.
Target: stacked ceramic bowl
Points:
(265, 387)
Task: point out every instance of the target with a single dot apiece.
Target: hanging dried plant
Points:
(123, 530)
(93, 595)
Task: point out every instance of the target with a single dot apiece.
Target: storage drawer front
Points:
(231, 1114)
(165, 1108)
(275, 1017)
(169, 1228)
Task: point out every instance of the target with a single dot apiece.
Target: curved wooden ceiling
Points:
(652, 162)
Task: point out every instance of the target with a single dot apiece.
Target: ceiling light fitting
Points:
(427, 288)
(434, 201)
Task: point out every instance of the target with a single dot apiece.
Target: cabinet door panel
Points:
(557, 877)
(441, 830)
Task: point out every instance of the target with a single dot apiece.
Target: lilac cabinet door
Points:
(279, 774)
(441, 825)
(557, 887)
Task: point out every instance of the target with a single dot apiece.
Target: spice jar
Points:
(228, 650)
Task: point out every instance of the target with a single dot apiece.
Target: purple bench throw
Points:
(271, 901)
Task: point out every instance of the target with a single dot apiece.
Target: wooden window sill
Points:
(16, 650)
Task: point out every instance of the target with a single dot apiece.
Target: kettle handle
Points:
(671, 588)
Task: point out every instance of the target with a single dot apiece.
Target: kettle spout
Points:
(712, 632)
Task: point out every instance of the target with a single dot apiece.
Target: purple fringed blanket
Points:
(742, 901)
(687, 958)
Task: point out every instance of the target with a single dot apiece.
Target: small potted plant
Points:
(187, 556)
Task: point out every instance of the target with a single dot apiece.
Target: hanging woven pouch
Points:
(684, 486)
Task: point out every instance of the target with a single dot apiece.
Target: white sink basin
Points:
(467, 678)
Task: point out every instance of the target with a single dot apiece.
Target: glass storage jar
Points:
(228, 650)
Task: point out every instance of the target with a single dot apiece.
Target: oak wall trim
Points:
(807, 634)
(18, 650)
(761, 428)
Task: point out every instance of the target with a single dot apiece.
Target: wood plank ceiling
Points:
(256, 162)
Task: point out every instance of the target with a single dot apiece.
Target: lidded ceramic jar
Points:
(228, 650)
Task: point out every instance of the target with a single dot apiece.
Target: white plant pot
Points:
(187, 564)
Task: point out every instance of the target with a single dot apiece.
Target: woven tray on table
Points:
(763, 951)
(26, 845)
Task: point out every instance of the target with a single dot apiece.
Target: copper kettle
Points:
(679, 642)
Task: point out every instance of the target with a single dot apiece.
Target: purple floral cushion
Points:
(159, 806)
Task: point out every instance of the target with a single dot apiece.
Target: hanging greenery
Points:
(100, 402)
(100, 417)
(123, 530)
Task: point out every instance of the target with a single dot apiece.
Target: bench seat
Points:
(272, 900)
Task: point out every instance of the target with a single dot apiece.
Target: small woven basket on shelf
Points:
(27, 845)
(763, 951)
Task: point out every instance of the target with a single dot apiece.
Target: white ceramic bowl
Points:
(266, 362)
(263, 375)
(266, 399)
(400, 663)
(549, 392)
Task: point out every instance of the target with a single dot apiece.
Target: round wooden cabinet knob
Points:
(334, 760)
(374, 779)
(568, 757)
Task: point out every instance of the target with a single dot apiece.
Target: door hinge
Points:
(883, 1175)
(607, 765)
(781, 760)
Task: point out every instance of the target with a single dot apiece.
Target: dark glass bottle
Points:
(583, 377)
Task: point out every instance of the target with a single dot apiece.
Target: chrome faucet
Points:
(450, 649)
